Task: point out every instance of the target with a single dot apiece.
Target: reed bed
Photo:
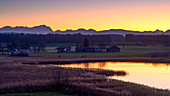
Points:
(16, 77)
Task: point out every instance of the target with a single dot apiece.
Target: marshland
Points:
(29, 75)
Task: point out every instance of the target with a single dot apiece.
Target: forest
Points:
(78, 38)
(161, 39)
(57, 38)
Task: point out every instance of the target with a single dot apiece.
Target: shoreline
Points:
(72, 60)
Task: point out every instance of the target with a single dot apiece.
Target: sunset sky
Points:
(138, 15)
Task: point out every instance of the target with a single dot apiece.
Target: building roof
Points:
(113, 47)
(86, 47)
(63, 47)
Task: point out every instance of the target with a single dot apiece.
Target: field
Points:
(139, 51)
(126, 51)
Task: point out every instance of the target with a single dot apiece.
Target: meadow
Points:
(130, 51)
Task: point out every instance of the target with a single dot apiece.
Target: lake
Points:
(151, 74)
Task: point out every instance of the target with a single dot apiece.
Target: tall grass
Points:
(36, 94)
(22, 78)
(16, 78)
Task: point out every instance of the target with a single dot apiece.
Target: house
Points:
(86, 49)
(63, 49)
(79, 49)
(113, 49)
(90, 49)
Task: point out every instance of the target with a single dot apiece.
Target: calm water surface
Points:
(155, 75)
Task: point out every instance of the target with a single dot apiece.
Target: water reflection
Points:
(162, 65)
(102, 64)
(155, 75)
(86, 65)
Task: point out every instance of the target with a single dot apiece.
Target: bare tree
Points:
(86, 42)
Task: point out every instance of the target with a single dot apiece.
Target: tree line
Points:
(57, 38)
(35, 39)
(163, 39)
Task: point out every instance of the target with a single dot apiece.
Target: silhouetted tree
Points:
(86, 42)
(32, 39)
(41, 46)
(102, 45)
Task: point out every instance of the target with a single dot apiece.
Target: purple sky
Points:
(64, 12)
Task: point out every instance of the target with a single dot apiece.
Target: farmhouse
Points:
(113, 49)
(86, 49)
(90, 49)
(63, 49)
(79, 49)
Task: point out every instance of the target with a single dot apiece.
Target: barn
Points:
(86, 49)
(90, 49)
(113, 49)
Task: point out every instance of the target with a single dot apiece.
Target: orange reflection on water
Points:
(155, 75)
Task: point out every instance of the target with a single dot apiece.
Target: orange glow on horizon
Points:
(136, 18)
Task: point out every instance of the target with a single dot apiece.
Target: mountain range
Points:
(43, 29)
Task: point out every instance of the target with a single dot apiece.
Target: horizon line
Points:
(83, 28)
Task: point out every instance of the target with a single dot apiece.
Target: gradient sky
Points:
(136, 15)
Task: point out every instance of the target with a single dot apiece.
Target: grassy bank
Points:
(90, 54)
(69, 60)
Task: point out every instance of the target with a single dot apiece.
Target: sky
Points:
(137, 15)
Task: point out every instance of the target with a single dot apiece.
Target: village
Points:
(23, 49)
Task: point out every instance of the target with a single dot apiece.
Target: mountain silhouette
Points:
(111, 31)
(43, 29)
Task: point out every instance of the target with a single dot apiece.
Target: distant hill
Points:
(43, 29)
(111, 31)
